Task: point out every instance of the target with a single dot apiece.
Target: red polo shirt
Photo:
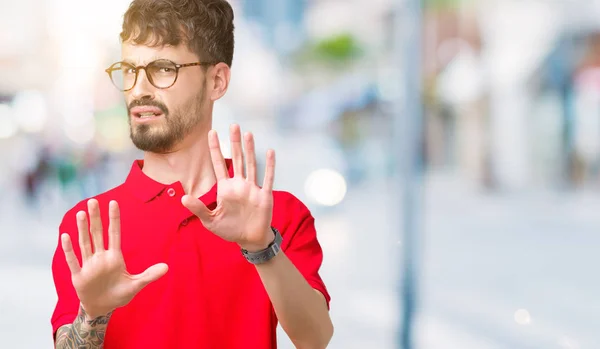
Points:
(211, 297)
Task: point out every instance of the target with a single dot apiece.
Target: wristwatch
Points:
(268, 253)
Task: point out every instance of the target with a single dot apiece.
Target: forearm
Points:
(83, 332)
(301, 310)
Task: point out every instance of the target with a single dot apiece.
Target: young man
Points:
(189, 252)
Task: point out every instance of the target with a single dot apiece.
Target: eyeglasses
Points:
(161, 73)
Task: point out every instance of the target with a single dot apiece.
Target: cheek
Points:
(182, 99)
(190, 86)
(172, 102)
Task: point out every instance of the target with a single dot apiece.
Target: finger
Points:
(114, 226)
(217, 156)
(84, 236)
(269, 171)
(250, 158)
(151, 274)
(96, 225)
(70, 256)
(198, 208)
(237, 154)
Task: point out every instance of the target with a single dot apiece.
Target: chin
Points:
(154, 143)
(152, 147)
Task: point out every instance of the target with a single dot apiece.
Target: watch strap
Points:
(268, 253)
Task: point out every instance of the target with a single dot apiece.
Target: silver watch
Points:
(268, 253)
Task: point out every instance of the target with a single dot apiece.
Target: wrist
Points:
(262, 244)
(91, 314)
(265, 254)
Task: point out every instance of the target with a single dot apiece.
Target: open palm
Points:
(102, 282)
(244, 210)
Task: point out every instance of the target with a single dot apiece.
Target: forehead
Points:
(143, 54)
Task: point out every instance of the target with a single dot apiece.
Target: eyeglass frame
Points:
(110, 69)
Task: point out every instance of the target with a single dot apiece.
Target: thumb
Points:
(197, 207)
(151, 274)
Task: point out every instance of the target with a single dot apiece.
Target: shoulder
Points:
(281, 197)
(287, 205)
(290, 213)
(103, 199)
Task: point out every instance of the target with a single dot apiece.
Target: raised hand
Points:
(102, 282)
(244, 210)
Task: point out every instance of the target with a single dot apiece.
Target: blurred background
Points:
(506, 195)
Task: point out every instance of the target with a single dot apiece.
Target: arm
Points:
(301, 310)
(83, 332)
(243, 215)
(100, 283)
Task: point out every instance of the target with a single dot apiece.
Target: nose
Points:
(143, 88)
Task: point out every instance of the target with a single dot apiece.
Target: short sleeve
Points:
(67, 306)
(301, 245)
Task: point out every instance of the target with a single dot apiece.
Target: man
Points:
(189, 252)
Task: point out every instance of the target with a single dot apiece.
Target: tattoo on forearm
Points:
(83, 333)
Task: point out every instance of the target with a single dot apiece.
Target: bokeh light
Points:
(522, 317)
(325, 187)
(8, 126)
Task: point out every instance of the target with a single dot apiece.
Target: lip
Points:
(145, 120)
(136, 111)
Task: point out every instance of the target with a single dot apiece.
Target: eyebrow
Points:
(154, 58)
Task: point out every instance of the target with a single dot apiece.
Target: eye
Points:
(125, 69)
(163, 67)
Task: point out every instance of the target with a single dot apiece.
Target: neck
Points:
(189, 163)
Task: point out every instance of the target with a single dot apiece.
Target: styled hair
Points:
(205, 26)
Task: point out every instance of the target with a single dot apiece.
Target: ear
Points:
(220, 75)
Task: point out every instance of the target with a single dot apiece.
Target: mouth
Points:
(146, 113)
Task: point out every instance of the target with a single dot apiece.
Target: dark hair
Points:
(206, 26)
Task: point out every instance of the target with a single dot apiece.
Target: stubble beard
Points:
(162, 137)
